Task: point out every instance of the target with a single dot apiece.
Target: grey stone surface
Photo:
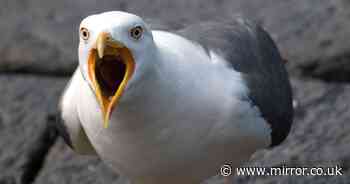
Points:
(41, 36)
(65, 166)
(25, 103)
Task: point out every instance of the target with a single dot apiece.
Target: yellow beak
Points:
(110, 63)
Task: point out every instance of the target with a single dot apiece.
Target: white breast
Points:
(182, 123)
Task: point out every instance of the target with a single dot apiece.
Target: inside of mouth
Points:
(110, 72)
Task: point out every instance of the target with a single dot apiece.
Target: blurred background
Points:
(38, 53)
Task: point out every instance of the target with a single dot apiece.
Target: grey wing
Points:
(250, 50)
(68, 124)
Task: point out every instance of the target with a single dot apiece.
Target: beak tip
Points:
(100, 52)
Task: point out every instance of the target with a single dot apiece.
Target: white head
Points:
(114, 46)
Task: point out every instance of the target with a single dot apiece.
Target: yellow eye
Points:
(84, 33)
(136, 32)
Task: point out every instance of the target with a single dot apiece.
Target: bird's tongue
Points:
(110, 72)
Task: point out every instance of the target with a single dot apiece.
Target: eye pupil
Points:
(136, 32)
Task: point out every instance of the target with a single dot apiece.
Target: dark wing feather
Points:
(250, 50)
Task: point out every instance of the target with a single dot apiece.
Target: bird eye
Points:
(136, 32)
(84, 33)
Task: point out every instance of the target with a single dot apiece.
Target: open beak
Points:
(111, 66)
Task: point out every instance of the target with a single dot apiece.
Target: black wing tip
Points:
(277, 138)
(280, 132)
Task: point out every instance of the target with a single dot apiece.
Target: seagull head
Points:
(113, 47)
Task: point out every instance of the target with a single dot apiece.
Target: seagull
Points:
(174, 107)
